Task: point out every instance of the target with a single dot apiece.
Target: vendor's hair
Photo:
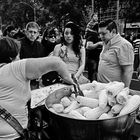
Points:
(9, 49)
(32, 25)
(109, 24)
(75, 29)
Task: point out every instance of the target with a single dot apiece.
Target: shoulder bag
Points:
(24, 133)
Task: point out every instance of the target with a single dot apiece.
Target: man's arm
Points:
(90, 45)
(127, 71)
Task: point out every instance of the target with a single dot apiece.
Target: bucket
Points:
(116, 128)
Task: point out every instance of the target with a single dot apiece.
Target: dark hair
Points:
(9, 49)
(109, 24)
(49, 32)
(94, 15)
(75, 29)
(9, 28)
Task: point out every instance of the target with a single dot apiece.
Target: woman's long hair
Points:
(75, 29)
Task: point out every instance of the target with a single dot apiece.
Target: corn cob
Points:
(103, 98)
(110, 114)
(76, 115)
(99, 86)
(65, 101)
(111, 100)
(95, 113)
(72, 106)
(91, 94)
(122, 97)
(87, 86)
(131, 105)
(114, 88)
(88, 102)
(104, 116)
(116, 108)
(58, 107)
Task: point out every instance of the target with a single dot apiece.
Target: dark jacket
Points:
(31, 49)
(48, 47)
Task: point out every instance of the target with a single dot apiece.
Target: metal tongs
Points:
(77, 89)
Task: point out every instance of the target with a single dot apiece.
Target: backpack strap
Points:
(11, 121)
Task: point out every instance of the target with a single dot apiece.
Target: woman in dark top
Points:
(49, 42)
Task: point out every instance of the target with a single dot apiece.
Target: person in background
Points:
(30, 47)
(19, 34)
(15, 76)
(58, 35)
(72, 51)
(117, 57)
(49, 42)
(1, 34)
(9, 31)
(92, 23)
(93, 47)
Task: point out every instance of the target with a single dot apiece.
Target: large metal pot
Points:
(117, 128)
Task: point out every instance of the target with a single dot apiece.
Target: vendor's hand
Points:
(68, 80)
(77, 76)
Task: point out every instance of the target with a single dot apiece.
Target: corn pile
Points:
(100, 101)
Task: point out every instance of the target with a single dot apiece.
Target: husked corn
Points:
(88, 102)
(95, 113)
(99, 86)
(111, 100)
(91, 94)
(104, 116)
(103, 98)
(58, 107)
(76, 115)
(131, 105)
(87, 86)
(114, 88)
(65, 101)
(122, 96)
(72, 106)
(116, 108)
(84, 109)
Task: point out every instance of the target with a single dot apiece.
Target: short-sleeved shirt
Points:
(14, 95)
(118, 52)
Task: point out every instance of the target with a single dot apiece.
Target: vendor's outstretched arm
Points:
(36, 67)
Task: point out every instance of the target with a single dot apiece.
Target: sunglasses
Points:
(51, 36)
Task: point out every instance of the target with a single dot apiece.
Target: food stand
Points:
(118, 128)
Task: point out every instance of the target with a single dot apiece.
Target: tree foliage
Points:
(56, 12)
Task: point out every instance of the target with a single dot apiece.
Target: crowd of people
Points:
(28, 61)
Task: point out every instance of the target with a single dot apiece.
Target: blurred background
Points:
(56, 12)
